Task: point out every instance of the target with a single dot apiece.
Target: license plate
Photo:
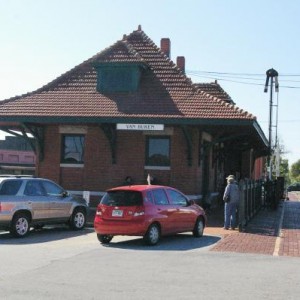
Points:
(117, 213)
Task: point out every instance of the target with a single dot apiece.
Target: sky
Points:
(232, 41)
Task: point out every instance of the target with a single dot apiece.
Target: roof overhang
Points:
(248, 129)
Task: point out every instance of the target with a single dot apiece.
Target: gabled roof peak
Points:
(165, 91)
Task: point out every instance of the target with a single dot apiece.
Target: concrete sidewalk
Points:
(270, 232)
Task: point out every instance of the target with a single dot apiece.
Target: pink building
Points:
(14, 161)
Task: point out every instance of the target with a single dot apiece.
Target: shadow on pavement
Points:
(47, 234)
(179, 242)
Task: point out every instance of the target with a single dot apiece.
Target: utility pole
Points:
(273, 74)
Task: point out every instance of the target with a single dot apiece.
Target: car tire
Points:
(198, 228)
(78, 219)
(152, 235)
(20, 225)
(104, 238)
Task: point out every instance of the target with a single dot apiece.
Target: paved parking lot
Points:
(57, 263)
(270, 232)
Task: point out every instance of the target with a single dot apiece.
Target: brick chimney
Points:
(181, 63)
(165, 46)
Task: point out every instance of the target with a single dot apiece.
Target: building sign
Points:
(140, 126)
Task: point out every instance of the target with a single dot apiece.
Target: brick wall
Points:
(99, 174)
(184, 177)
(50, 166)
(72, 178)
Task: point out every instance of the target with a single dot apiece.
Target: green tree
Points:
(284, 170)
(295, 171)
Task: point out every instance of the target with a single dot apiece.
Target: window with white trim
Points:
(72, 149)
(158, 151)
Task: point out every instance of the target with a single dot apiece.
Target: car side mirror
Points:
(65, 194)
(191, 202)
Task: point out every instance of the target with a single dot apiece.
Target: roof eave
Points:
(112, 119)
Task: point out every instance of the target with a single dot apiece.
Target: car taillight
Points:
(139, 212)
(0, 207)
(99, 212)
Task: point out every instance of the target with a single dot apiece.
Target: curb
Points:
(279, 233)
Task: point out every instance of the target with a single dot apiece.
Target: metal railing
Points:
(252, 199)
(255, 195)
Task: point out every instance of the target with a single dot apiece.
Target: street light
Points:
(273, 74)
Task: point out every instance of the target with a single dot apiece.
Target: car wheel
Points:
(104, 238)
(78, 219)
(199, 228)
(20, 225)
(152, 235)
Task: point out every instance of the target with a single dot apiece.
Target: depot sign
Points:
(140, 126)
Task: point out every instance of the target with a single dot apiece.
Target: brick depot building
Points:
(131, 111)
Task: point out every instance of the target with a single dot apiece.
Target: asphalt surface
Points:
(259, 263)
(270, 232)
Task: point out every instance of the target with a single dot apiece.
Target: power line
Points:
(198, 73)
(227, 76)
(221, 76)
(242, 74)
(226, 73)
(281, 121)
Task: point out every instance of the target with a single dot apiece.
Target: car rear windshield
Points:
(122, 198)
(10, 187)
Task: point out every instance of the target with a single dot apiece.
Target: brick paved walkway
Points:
(290, 233)
(269, 232)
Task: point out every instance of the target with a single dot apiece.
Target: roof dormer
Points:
(114, 77)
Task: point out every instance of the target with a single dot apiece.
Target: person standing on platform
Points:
(231, 198)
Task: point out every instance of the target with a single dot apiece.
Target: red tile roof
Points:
(214, 89)
(165, 92)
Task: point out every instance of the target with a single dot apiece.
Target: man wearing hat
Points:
(231, 198)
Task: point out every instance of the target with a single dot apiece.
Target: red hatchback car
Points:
(150, 211)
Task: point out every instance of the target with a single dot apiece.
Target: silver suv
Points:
(27, 202)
